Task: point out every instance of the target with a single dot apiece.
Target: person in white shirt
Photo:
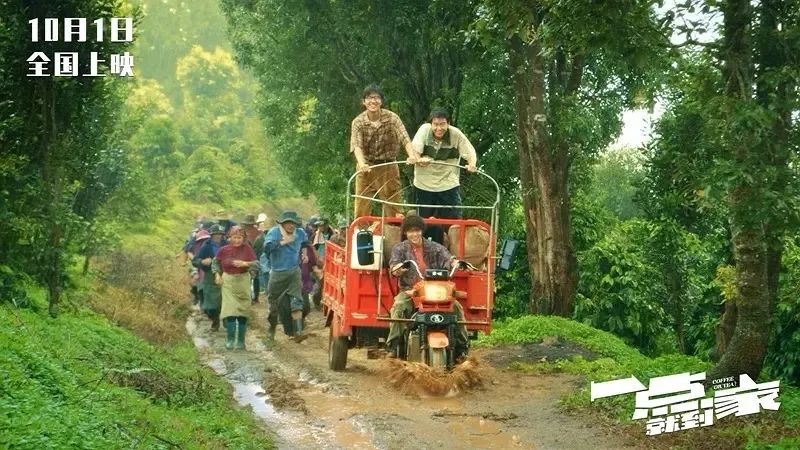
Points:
(435, 184)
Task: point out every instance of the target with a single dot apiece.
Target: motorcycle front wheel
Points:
(413, 351)
(437, 358)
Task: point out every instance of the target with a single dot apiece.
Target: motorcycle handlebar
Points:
(457, 264)
(411, 263)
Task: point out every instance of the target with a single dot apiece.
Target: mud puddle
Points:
(267, 392)
(289, 386)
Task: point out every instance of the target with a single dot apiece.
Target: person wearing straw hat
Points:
(261, 222)
(224, 220)
(284, 291)
(232, 270)
(250, 228)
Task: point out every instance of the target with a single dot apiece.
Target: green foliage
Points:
(144, 100)
(591, 221)
(308, 99)
(728, 149)
(619, 290)
(209, 175)
(615, 179)
(103, 388)
(680, 182)
(156, 143)
(531, 328)
(168, 31)
(213, 96)
(513, 286)
(617, 360)
(651, 283)
(59, 161)
(783, 357)
(12, 288)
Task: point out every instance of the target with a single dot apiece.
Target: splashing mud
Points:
(476, 405)
(283, 393)
(423, 380)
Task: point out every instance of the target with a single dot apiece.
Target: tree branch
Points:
(692, 42)
(576, 75)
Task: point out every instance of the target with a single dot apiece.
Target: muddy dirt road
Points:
(289, 386)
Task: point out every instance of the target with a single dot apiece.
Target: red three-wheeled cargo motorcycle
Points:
(358, 289)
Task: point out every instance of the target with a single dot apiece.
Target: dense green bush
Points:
(12, 288)
(783, 356)
(209, 175)
(653, 285)
(590, 221)
(615, 178)
(513, 286)
(619, 290)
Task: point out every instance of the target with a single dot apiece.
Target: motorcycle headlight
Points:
(436, 292)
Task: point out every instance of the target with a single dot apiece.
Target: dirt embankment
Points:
(290, 387)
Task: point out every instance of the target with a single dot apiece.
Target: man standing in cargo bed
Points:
(436, 184)
(376, 136)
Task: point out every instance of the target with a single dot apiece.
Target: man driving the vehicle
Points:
(428, 255)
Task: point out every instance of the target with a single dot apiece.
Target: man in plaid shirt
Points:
(376, 136)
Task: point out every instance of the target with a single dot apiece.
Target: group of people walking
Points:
(231, 267)
(234, 262)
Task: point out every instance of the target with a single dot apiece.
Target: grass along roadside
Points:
(129, 376)
(615, 359)
(78, 381)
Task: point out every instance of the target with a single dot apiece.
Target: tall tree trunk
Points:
(675, 282)
(747, 347)
(544, 170)
(52, 177)
(86, 260)
(724, 331)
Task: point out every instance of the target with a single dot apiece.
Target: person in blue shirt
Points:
(282, 245)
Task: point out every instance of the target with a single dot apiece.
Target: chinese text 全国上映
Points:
(80, 29)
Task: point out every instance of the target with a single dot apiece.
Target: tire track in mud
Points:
(290, 387)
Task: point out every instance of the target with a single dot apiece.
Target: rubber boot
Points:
(230, 328)
(241, 333)
(297, 324)
(271, 327)
(254, 290)
(392, 349)
(215, 320)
